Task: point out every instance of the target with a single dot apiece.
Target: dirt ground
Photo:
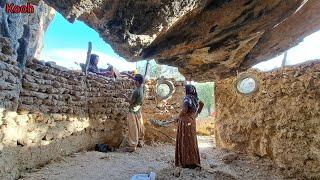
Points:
(159, 158)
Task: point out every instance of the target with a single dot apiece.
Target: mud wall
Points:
(48, 111)
(154, 108)
(165, 110)
(281, 121)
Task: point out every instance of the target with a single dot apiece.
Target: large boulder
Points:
(26, 31)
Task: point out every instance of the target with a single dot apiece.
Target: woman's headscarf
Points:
(92, 66)
(191, 99)
(191, 90)
(93, 57)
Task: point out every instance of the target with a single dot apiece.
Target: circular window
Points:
(164, 89)
(247, 85)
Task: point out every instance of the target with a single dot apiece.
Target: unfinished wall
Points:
(9, 93)
(51, 111)
(154, 108)
(281, 121)
(164, 110)
(107, 112)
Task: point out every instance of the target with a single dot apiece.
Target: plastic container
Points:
(151, 176)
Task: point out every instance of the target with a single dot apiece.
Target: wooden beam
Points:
(88, 57)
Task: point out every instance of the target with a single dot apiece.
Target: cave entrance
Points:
(205, 120)
(206, 94)
(307, 50)
(66, 44)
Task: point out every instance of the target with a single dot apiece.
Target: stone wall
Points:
(9, 77)
(48, 111)
(281, 121)
(9, 95)
(154, 108)
(107, 112)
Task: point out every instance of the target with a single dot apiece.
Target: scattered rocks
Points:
(203, 156)
(229, 158)
(177, 172)
(213, 166)
(189, 174)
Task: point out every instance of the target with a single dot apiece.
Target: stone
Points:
(196, 35)
(229, 158)
(30, 28)
(45, 118)
(177, 172)
(213, 166)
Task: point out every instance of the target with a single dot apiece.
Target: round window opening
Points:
(164, 89)
(247, 85)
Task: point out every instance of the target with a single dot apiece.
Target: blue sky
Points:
(308, 49)
(66, 44)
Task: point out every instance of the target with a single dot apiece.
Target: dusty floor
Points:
(217, 164)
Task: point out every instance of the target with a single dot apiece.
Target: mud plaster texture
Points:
(165, 110)
(48, 111)
(280, 121)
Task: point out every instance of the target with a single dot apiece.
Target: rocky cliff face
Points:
(206, 39)
(280, 121)
(25, 31)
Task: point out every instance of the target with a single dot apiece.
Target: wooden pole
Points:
(283, 64)
(88, 57)
(146, 70)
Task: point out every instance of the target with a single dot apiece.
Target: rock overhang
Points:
(205, 39)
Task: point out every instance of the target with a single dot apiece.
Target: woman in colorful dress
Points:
(187, 152)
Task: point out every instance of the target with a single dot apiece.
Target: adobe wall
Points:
(157, 109)
(164, 110)
(51, 112)
(281, 121)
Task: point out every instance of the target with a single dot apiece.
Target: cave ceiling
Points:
(205, 39)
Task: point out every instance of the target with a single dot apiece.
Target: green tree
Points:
(206, 95)
(155, 70)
